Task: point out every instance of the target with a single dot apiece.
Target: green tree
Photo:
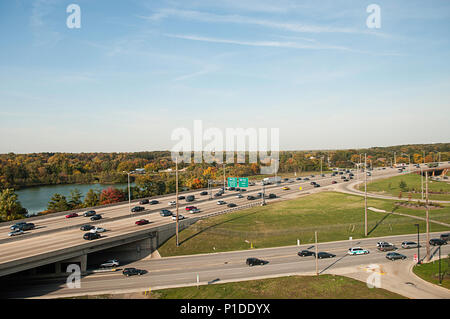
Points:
(403, 186)
(75, 200)
(58, 203)
(92, 198)
(10, 207)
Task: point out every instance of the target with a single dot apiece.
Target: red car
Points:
(72, 215)
(188, 208)
(333, 182)
(142, 222)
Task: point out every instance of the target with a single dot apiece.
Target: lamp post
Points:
(365, 194)
(176, 187)
(129, 193)
(418, 244)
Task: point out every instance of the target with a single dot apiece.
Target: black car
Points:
(394, 256)
(86, 227)
(271, 195)
(298, 179)
(89, 213)
(445, 237)
(316, 185)
(437, 242)
(204, 193)
(217, 194)
(313, 183)
(181, 197)
(17, 225)
(255, 262)
(165, 213)
(25, 226)
(305, 253)
(153, 202)
(231, 205)
(322, 255)
(96, 217)
(133, 271)
(144, 201)
(306, 179)
(137, 209)
(250, 197)
(91, 236)
(190, 198)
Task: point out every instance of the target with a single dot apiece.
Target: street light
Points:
(129, 193)
(418, 244)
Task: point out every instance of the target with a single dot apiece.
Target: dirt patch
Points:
(416, 206)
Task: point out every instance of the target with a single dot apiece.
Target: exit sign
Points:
(243, 182)
(232, 182)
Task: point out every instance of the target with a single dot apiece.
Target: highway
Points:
(230, 266)
(59, 233)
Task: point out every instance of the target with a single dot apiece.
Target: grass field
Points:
(391, 186)
(430, 272)
(335, 216)
(293, 287)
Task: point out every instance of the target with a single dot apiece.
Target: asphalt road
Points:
(230, 266)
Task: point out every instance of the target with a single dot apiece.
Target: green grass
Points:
(391, 186)
(292, 287)
(430, 272)
(335, 216)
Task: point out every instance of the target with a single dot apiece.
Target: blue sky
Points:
(136, 70)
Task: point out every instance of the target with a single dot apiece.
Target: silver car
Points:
(409, 244)
(110, 263)
(16, 232)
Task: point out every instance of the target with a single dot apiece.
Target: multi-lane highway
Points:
(231, 266)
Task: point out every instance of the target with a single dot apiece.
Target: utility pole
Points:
(418, 244)
(176, 180)
(395, 159)
(427, 217)
(365, 194)
(129, 193)
(317, 264)
(224, 178)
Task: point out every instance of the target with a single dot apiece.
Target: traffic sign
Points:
(243, 182)
(232, 182)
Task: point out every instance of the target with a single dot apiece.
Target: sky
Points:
(137, 70)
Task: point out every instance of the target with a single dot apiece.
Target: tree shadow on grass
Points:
(382, 220)
(212, 226)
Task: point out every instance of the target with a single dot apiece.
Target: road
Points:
(230, 266)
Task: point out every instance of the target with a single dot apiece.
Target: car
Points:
(239, 196)
(323, 175)
(333, 182)
(86, 227)
(445, 237)
(305, 253)
(395, 256)
(316, 185)
(165, 213)
(221, 202)
(346, 180)
(180, 217)
(25, 226)
(153, 202)
(343, 177)
(217, 194)
(231, 205)
(255, 261)
(285, 188)
(89, 213)
(437, 242)
(322, 255)
(237, 189)
(409, 244)
(96, 217)
(313, 183)
(312, 176)
(16, 232)
(231, 188)
(194, 211)
(369, 174)
(190, 198)
(172, 203)
(357, 251)
(243, 189)
(72, 215)
(110, 263)
(132, 272)
(97, 230)
(203, 193)
(17, 225)
(188, 208)
(137, 209)
(271, 195)
(381, 243)
(181, 197)
(250, 197)
(298, 179)
(386, 247)
(306, 179)
(91, 236)
(144, 201)
(142, 222)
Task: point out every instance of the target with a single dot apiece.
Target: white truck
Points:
(271, 180)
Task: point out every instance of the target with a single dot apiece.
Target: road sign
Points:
(243, 182)
(232, 182)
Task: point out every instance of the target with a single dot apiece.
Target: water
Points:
(36, 199)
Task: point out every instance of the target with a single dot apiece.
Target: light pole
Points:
(365, 194)
(427, 217)
(176, 187)
(224, 178)
(418, 244)
(440, 278)
(317, 265)
(129, 193)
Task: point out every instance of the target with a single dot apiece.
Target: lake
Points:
(36, 199)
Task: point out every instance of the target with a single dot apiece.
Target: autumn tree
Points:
(10, 207)
(111, 195)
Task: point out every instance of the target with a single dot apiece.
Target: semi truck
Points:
(271, 180)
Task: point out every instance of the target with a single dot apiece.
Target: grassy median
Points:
(292, 287)
(407, 185)
(335, 216)
(430, 272)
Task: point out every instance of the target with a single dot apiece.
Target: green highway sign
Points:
(232, 182)
(243, 182)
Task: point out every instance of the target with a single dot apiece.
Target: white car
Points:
(194, 211)
(97, 230)
(382, 243)
(172, 203)
(239, 196)
(180, 217)
(110, 263)
(357, 251)
(221, 202)
(16, 232)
